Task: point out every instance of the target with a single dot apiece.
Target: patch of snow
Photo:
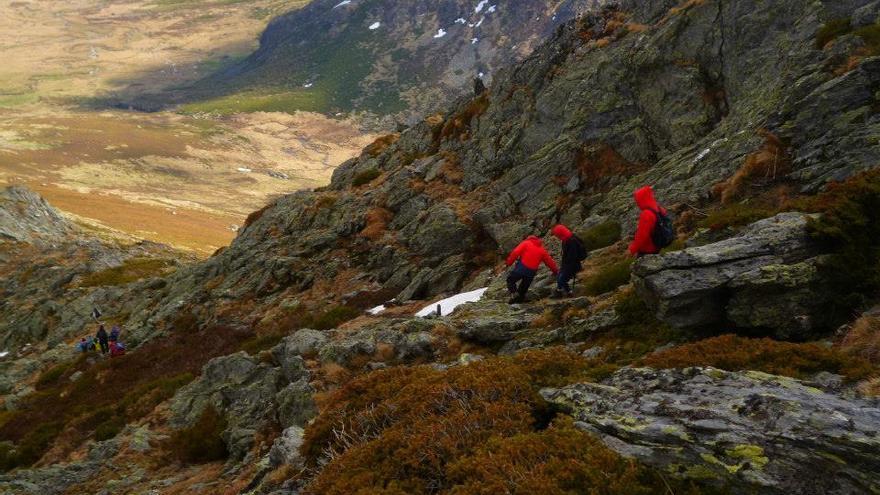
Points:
(374, 26)
(461, 20)
(308, 85)
(4, 354)
(245, 170)
(440, 33)
(340, 4)
(449, 304)
(480, 74)
(479, 7)
(481, 21)
(377, 310)
(474, 41)
(491, 9)
(702, 154)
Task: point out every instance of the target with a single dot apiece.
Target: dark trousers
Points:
(566, 273)
(521, 275)
(104, 346)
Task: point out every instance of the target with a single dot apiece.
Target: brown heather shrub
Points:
(401, 429)
(734, 353)
(870, 388)
(377, 223)
(560, 460)
(150, 373)
(599, 164)
(381, 144)
(459, 125)
(766, 165)
(863, 339)
(476, 429)
(253, 217)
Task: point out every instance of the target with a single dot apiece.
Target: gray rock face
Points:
(58, 478)
(747, 431)
(26, 217)
(249, 394)
(285, 450)
(767, 277)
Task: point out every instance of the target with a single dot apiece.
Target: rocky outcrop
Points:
(747, 431)
(59, 478)
(767, 277)
(249, 394)
(26, 217)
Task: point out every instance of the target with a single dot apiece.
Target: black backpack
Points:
(664, 232)
(580, 251)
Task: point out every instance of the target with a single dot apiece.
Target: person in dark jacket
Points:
(573, 253)
(114, 333)
(103, 339)
(643, 243)
(528, 257)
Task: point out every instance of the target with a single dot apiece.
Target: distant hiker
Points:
(479, 87)
(528, 257)
(83, 345)
(103, 340)
(96, 314)
(114, 333)
(117, 349)
(655, 230)
(573, 253)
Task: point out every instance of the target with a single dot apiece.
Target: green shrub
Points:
(849, 229)
(871, 36)
(734, 353)
(131, 270)
(32, 446)
(600, 236)
(52, 375)
(832, 30)
(109, 429)
(259, 343)
(608, 278)
(202, 442)
(736, 215)
(334, 317)
(365, 177)
(141, 400)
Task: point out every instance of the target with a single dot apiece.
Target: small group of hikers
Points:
(654, 232)
(103, 342)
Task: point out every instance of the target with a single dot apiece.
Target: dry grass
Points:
(377, 223)
(770, 163)
(863, 339)
(381, 144)
(599, 164)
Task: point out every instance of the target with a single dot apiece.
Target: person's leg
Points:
(565, 274)
(512, 278)
(524, 286)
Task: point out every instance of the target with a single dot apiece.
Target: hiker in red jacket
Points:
(528, 257)
(643, 243)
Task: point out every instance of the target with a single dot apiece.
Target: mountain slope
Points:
(733, 111)
(388, 57)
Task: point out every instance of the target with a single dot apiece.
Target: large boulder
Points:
(747, 431)
(768, 277)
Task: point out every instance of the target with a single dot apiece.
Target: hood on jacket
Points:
(561, 232)
(645, 199)
(535, 240)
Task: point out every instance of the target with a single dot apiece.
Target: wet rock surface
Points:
(745, 430)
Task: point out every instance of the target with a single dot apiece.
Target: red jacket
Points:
(642, 244)
(531, 253)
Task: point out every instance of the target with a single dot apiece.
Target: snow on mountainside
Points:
(386, 57)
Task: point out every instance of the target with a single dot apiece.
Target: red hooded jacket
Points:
(643, 244)
(531, 253)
